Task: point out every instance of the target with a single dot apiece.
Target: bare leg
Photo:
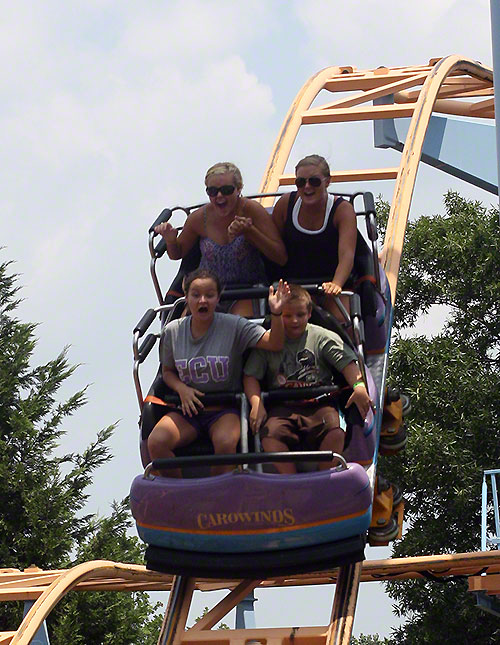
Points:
(274, 445)
(225, 434)
(334, 438)
(242, 308)
(331, 306)
(333, 441)
(172, 431)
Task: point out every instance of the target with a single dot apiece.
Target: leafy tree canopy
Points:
(43, 494)
(453, 380)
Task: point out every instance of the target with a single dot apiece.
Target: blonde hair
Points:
(221, 168)
(315, 160)
(299, 293)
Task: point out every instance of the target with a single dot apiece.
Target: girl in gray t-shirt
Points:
(203, 353)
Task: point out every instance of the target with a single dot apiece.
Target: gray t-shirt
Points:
(305, 361)
(214, 362)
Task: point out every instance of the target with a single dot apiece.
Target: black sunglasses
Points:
(213, 191)
(315, 181)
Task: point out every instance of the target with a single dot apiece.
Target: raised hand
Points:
(278, 299)
(167, 231)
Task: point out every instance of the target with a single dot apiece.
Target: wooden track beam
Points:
(366, 113)
(410, 159)
(130, 577)
(370, 95)
(289, 129)
(338, 176)
(490, 584)
(104, 575)
(225, 605)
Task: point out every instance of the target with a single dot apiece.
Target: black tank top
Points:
(310, 256)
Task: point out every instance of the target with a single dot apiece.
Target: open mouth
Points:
(203, 309)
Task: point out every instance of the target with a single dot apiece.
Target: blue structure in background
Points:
(490, 540)
(245, 616)
(42, 636)
(495, 46)
(484, 601)
(460, 148)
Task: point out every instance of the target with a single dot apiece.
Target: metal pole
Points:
(495, 46)
(245, 616)
(344, 604)
(484, 512)
(174, 621)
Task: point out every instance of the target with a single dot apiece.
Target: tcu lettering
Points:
(202, 369)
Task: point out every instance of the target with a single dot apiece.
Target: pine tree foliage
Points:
(43, 494)
(453, 380)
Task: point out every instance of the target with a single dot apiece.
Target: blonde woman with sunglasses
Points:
(319, 230)
(232, 230)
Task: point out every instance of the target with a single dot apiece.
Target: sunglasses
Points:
(314, 181)
(213, 191)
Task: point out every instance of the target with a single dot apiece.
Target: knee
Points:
(270, 444)
(226, 445)
(334, 440)
(331, 420)
(162, 438)
(225, 438)
(272, 428)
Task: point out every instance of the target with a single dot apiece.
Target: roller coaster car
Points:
(253, 524)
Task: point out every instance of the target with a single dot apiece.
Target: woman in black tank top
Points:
(319, 231)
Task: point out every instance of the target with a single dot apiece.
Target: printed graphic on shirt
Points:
(299, 370)
(203, 369)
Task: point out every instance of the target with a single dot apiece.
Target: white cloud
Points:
(110, 125)
(198, 28)
(367, 33)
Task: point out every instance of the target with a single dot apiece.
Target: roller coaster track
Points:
(49, 587)
(441, 86)
(444, 85)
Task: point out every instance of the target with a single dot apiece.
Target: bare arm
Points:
(279, 213)
(263, 233)
(274, 339)
(345, 221)
(257, 410)
(190, 401)
(359, 396)
(179, 245)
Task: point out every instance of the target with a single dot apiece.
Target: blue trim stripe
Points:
(257, 542)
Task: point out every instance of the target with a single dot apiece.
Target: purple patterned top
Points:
(238, 262)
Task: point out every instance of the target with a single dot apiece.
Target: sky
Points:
(112, 111)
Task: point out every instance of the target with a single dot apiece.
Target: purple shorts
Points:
(203, 421)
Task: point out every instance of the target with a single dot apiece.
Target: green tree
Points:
(453, 380)
(373, 639)
(43, 494)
